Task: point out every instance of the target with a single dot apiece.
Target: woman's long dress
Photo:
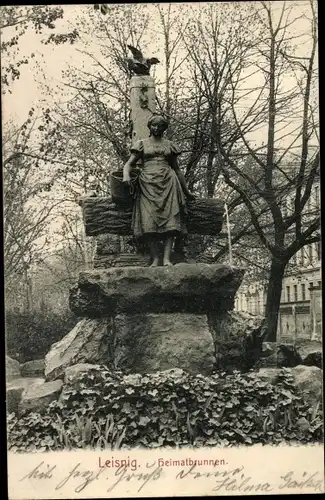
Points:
(159, 205)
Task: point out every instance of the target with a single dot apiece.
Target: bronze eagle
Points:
(139, 64)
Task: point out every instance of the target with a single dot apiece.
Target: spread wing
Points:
(137, 54)
(137, 67)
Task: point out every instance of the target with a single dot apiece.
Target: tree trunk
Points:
(273, 299)
(211, 155)
(29, 291)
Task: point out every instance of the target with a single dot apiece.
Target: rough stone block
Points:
(287, 356)
(281, 355)
(190, 288)
(314, 359)
(15, 389)
(121, 260)
(147, 343)
(12, 368)
(33, 368)
(309, 381)
(311, 354)
(238, 339)
(90, 341)
(72, 372)
(37, 397)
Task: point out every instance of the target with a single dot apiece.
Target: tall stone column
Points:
(143, 105)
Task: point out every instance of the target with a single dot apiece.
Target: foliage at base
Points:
(103, 409)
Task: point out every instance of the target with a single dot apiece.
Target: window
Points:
(310, 253)
(317, 197)
(295, 292)
(303, 291)
(318, 250)
(288, 293)
(302, 257)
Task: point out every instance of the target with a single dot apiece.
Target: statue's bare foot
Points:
(155, 263)
(167, 263)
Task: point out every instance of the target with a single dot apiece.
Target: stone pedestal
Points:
(190, 288)
(136, 343)
(146, 343)
(147, 319)
(143, 105)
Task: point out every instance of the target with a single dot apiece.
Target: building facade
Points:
(300, 314)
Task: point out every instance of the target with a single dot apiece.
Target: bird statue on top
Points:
(140, 65)
(102, 7)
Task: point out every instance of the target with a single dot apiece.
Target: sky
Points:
(47, 66)
(50, 61)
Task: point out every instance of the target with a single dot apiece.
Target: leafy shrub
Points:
(29, 335)
(170, 408)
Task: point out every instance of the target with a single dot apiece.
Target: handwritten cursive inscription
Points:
(38, 473)
(306, 480)
(228, 480)
(235, 480)
(143, 478)
(87, 476)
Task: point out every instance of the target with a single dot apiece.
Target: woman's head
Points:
(157, 125)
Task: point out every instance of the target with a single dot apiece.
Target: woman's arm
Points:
(132, 161)
(181, 178)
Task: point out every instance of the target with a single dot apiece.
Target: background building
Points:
(300, 315)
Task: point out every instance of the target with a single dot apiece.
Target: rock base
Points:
(148, 319)
(139, 343)
(147, 343)
(238, 339)
(90, 341)
(33, 368)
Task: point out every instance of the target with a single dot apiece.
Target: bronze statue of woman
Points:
(160, 203)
